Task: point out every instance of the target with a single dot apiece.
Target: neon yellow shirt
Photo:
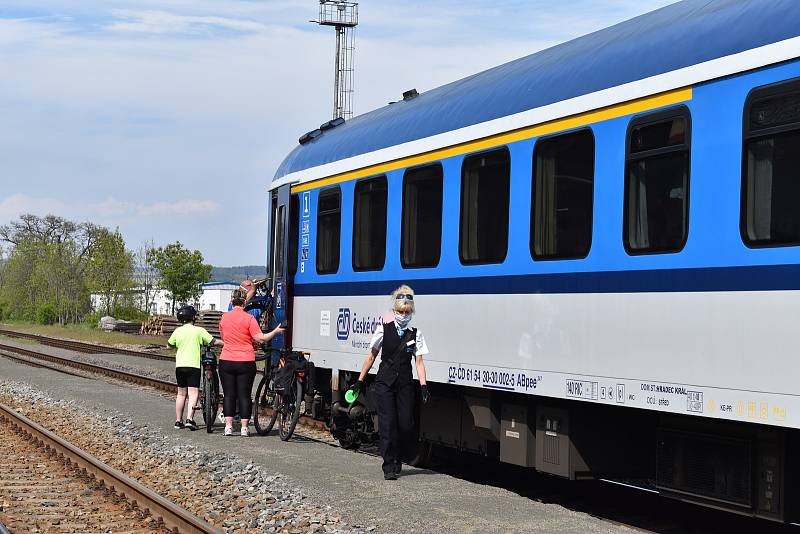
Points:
(189, 339)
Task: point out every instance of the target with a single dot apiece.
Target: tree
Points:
(45, 274)
(182, 272)
(110, 269)
(50, 230)
(147, 276)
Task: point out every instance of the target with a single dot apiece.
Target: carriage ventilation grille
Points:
(704, 465)
(551, 450)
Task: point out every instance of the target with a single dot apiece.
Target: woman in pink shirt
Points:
(237, 363)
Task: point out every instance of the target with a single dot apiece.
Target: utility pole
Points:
(343, 16)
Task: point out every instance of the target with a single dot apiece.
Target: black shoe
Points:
(397, 468)
(190, 424)
(178, 425)
(390, 476)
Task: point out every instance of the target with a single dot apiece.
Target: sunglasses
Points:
(404, 296)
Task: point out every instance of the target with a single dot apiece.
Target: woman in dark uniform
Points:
(393, 389)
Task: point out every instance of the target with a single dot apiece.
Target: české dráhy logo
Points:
(343, 324)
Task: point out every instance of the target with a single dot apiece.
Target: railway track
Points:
(597, 498)
(38, 357)
(79, 346)
(33, 357)
(49, 485)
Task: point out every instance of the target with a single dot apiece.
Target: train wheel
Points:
(349, 442)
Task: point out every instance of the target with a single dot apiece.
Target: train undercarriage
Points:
(737, 467)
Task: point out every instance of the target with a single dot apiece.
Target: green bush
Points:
(46, 314)
(129, 313)
(92, 319)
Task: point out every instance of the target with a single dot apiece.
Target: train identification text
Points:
(492, 378)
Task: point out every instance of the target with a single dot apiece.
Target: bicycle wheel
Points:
(264, 412)
(201, 394)
(210, 401)
(291, 411)
(214, 397)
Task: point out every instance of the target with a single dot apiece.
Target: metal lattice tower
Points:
(343, 16)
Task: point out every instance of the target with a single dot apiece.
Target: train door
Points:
(281, 273)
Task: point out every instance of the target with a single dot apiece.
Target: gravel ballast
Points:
(222, 489)
(351, 484)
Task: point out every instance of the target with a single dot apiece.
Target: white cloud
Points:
(119, 111)
(163, 22)
(18, 204)
(181, 208)
(110, 211)
(21, 31)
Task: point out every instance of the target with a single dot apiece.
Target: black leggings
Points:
(237, 384)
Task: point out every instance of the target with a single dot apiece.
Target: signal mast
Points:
(343, 16)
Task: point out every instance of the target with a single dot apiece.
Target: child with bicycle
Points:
(189, 340)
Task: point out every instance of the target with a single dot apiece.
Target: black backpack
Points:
(283, 375)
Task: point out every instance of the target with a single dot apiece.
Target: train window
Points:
(656, 215)
(421, 226)
(329, 227)
(770, 188)
(485, 186)
(563, 189)
(294, 223)
(369, 224)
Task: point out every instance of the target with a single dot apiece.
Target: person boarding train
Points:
(393, 388)
(237, 363)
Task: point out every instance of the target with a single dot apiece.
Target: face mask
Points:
(402, 320)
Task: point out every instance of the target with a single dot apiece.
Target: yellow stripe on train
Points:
(567, 123)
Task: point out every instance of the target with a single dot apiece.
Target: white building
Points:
(215, 297)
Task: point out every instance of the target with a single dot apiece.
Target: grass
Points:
(87, 334)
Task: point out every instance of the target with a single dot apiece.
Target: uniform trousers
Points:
(395, 405)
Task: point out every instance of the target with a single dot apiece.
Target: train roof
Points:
(681, 35)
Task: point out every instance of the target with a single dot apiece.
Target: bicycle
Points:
(282, 403)
(289, 396)
(264, 416)
(209, 387)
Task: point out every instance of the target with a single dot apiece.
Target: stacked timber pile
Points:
(129, 327)
(210, 321)
(165, 325)
(159, 325)
(109, 324)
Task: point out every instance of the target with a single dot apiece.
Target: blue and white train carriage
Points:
(605, 240)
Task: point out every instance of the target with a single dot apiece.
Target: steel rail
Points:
(162, 385)
(80, 346)
(40, 366)
(173, 516)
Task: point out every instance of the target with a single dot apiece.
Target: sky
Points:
(167, 119)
